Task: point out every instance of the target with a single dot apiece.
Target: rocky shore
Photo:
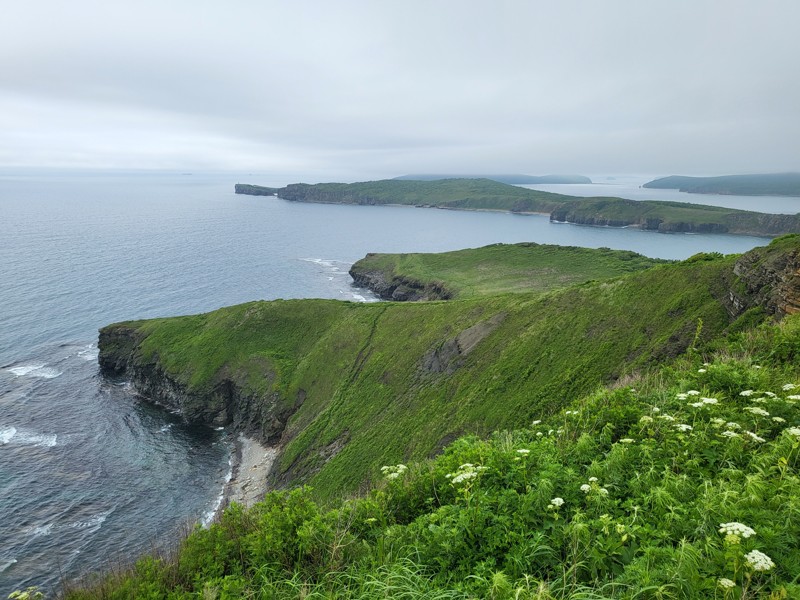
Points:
(252, 464)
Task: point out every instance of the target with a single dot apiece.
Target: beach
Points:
(251, 466)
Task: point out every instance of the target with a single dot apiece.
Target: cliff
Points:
(255, 190)
(343, 387)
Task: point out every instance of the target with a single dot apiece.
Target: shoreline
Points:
(251, 463)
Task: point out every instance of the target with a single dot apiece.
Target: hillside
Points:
(495, 269)
(514, 179)
(678, 480)
(484, 194)
(771, 184)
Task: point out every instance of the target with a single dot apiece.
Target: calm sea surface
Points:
(90, 476)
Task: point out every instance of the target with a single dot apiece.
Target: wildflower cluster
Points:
(738, 529)
(465, 472)
(593, 487)
(758, 561)
(393, 471)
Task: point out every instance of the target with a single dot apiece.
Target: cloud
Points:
(363, 89)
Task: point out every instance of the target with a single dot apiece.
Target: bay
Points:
(91, 476)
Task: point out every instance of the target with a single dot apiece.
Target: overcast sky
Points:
(344, 90)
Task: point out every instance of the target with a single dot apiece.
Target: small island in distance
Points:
(769, 184)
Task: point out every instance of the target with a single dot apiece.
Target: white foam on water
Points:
(7, 434)
(210, 514)
(21, 437)
(41, 371)
(165, 428)
(89, 353)
(23, 370)
(5, 563)
(41, 530)
(94, 523)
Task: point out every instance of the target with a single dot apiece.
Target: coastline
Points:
(251, 464)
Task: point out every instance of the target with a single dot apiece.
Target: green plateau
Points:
(580, 437)
(486, 194)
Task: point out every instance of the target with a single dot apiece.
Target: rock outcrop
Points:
(397, 288)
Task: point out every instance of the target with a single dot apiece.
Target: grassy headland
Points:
(770, 184)
(647, 443)
(484, 194)
(495, 269)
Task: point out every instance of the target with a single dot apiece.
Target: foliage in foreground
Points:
(686, 485)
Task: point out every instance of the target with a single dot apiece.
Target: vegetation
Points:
(682, 483)
(500, 268)
(512, 179)
(637, 437)
(772, 184)
(484, 194)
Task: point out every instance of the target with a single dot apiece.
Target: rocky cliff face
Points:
(768, 279)
(400, 289)
(225, 404)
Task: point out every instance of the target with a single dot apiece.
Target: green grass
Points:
(502, 268)
(777, 184)
(619, 493)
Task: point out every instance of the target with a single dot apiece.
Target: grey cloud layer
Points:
(383, 88)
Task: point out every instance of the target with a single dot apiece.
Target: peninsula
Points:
(485, 194)
(770, 184)
(585, 436)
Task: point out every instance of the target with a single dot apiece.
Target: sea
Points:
(92, 476)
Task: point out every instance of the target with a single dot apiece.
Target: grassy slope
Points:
(366, 375)
(501, 268)
(660, 476)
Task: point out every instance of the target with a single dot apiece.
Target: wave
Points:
(89, 353)
(12, 435)
(40, 370)
(4, 564)
(211, 513)
(94, 522)
(42, 530)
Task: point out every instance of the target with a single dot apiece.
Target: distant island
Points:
(486, 194)
(771, 184)
(513, 179)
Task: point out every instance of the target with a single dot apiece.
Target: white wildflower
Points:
(730, 434)
(709, 400)
(523, 451)
(793, 397)
(732, 425)
(788, 386)
(666, 417)
(557, 502)
(539, 434)
(393, 472)
(681, 396)
(604, 491)
(536, 422)
(646, 419)
(683, 427)
(572, 412)
(701, 370)
(585, 488)
(779, 419)
(692, 393)
(592, 479)
(746, 393)
(726, 583)
(627, 441)
(795, 431)
(758, 561)
(717, 422)
(756, 411)
(464, 476)
(734, 528)
(761, 400)
(770, 394)
(696, 404)
(754, 437)
(655, 409)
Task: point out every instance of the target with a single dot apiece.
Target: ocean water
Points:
(90, 475)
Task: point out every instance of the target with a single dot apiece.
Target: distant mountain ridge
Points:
(767, 184)
(513, 179)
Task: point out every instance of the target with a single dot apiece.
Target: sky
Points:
(323, 90)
